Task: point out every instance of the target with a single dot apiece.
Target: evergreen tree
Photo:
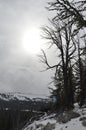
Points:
(67, 22)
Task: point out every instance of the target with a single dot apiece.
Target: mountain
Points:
(19, 96)
(16, 109)
(23, 101)
(13, 96)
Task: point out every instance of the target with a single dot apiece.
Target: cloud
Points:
(18, 71)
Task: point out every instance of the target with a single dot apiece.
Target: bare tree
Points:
(66, 9)
(62, 38)
(70, 9)
(65, 25)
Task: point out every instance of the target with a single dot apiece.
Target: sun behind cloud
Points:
(31, 42)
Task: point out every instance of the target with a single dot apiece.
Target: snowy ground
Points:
(50, 122)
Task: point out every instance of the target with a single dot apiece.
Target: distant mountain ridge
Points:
(19, 96)
(14, 96)
(22, 101)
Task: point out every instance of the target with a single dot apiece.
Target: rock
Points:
(39, 125)
(49, 126)
(63, 118)
(84, 123)
(82, 118)
(67, 116)
(66, 126)
(73, 114)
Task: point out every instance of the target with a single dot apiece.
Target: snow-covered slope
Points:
(23, 102)
(13, 96)
(51, 123)
(19, 96)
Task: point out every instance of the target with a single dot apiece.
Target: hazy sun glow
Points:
(32, 41)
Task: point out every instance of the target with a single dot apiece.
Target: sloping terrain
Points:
(77, 121)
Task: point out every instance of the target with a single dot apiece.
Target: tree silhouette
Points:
(63, 33)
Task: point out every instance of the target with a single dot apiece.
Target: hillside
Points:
(75, 120)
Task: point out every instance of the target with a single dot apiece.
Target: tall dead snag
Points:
(75, 13)
(60, 35)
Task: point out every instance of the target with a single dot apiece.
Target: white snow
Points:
(73, 124)
(20, 96)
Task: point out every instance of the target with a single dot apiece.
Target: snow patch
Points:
(49, 122)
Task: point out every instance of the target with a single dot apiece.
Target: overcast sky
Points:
(19, 71)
